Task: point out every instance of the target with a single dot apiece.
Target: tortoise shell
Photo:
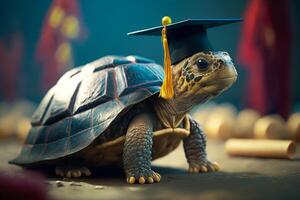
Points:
(83, 104)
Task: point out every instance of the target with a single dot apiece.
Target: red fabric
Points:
(265, 51)
(11, 54)
(49, 42)
(22, 186)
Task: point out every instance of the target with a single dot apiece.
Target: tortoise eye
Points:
(202, 64)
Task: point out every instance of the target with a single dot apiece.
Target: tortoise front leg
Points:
(195, 150)
(137, 151)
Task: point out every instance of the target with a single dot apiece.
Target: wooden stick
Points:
(221, 122)
(293, 125)
(219, 128)
(270, 127)
(245, 122)
(261, 148)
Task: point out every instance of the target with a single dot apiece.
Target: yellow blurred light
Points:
(70, 27)
(63, 53)
(270, 36)
(56, 16)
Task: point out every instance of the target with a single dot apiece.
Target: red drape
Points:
(265, 51)
(11, 54)
(53, 53)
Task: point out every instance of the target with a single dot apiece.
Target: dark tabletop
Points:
(240, 178)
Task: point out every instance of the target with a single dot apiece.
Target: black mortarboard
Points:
(181, 40)
(187, 37)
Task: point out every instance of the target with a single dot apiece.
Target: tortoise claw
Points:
(72, 172)
(204, 167)
(131, 180)
(85, 171)
(142, 180)
(150, 178)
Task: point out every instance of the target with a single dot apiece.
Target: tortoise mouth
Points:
(221, 81)
(215, 87)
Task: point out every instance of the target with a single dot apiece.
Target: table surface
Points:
(239, 178)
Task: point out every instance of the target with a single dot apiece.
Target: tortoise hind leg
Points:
(71, 170)
(137, 151)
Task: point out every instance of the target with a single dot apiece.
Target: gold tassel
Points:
(166, 91)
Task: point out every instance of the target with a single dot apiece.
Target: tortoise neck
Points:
(169, 113)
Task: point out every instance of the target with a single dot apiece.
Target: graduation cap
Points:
(181, 40)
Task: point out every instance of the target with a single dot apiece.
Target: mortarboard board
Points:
(186, 37)
(181, 40)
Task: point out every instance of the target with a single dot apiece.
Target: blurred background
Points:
(40, 40)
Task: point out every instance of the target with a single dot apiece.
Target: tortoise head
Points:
(203, 75)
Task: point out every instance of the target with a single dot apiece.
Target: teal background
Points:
(107, 23)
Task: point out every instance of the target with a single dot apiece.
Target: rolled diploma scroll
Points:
(293, 125)
(261, 148)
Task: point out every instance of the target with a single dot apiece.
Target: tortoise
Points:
(109, 113)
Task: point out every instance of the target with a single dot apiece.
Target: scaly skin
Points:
(137, 151)
(194, 84)
(195, 151)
